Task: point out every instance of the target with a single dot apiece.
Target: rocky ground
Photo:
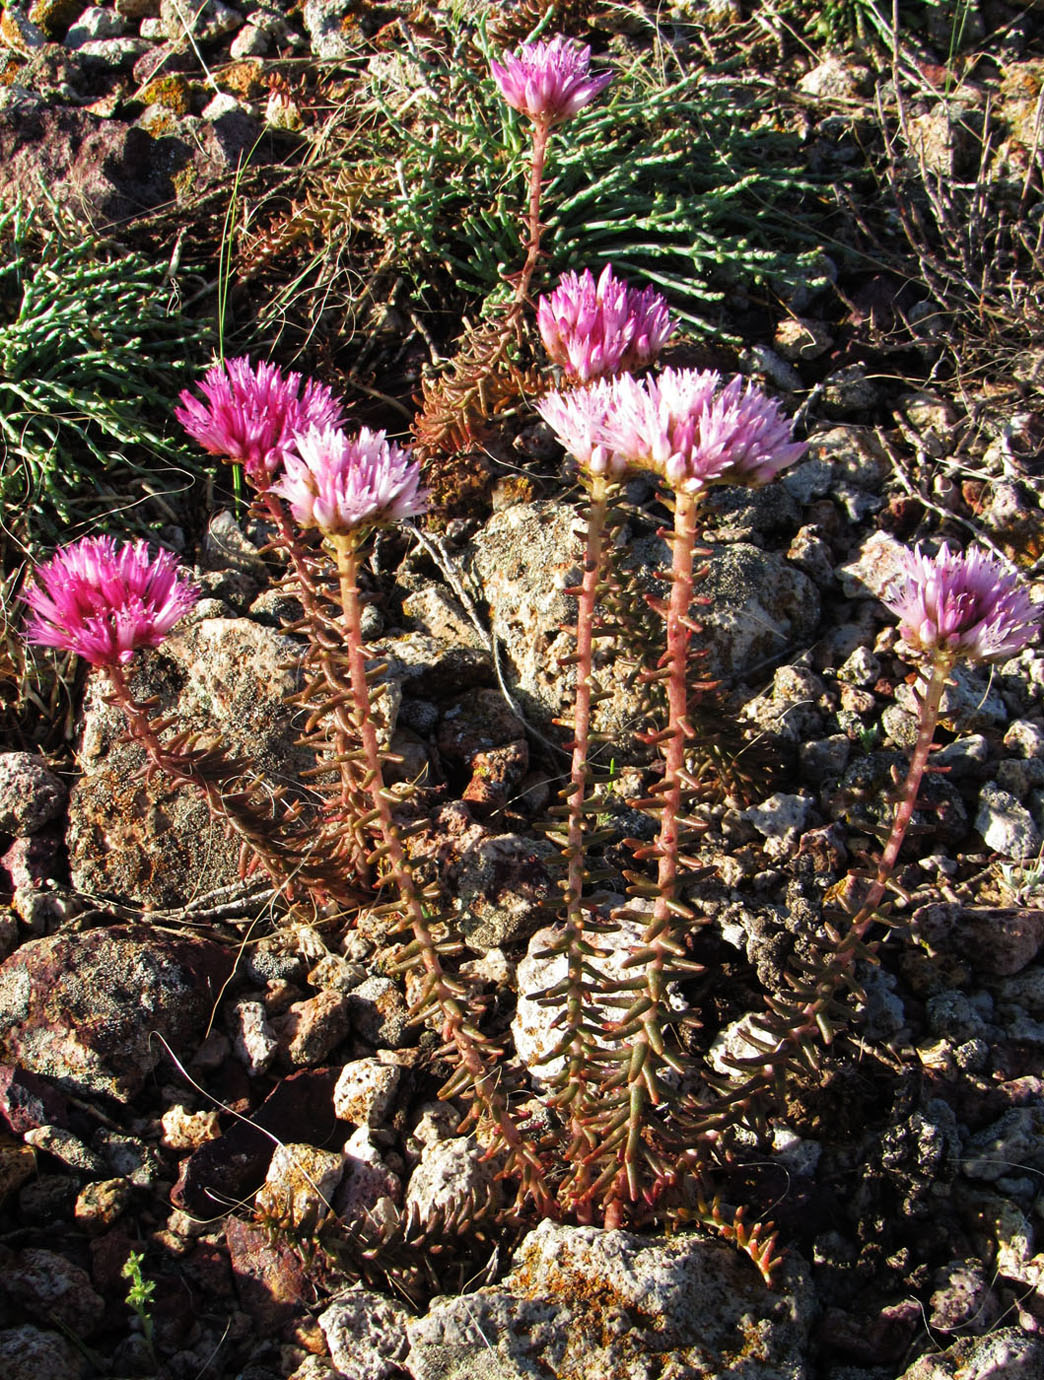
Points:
(242, 1101)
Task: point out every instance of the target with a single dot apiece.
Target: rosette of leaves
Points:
(91, 352)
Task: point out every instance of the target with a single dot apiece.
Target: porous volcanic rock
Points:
(142, 838)
(758, 607)
(589, 1302)
(85, 1009)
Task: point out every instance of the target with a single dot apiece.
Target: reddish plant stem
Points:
(343, 741)
(575, 1044)
(676, 660)
(456, 1029)
(812, 1014)
(541, 138)
(928, 713)
(579, 773)
(851, 942)
(647, 1050)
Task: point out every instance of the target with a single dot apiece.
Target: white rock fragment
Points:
(368, 1183)
(1006, 826)
(533, 1028)
(780, 819)
(254, 1041)
(366, 1335)
(299, 1187)
(452, 1177)
(185, 1130)
(365, 1090)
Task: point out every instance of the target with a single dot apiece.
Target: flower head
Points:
(592, 329)
(578, 418)
(680, 425)
(339, 483)
(251, 415)
(747, 429)
(960, 606)
(548, 81)
(684, 428)
(103, 601)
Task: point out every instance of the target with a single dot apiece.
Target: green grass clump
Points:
(92, 355)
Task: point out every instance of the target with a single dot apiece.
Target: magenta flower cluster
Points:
(597, 328)
(682, 426)
(104, 601)
(550, 81)
(251, 415)
(958, 606)
(339, 483)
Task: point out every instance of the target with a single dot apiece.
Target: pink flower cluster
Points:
(550, 81)
(339, 483)
(271, 423)
(104, 601)
(682, 426)
(596, 328)
(251, 415)
(960, 606)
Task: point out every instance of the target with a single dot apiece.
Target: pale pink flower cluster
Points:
(251, 415)
(338, 483)
(550, 81)
(579, 419)
(596, 328)
(681, 425)
(960, 606)
(104, 601)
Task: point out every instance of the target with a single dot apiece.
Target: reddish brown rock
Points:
(312, 1028)
(496, 774)
(28, 1102)
(1000, 940)
(53, 1290)
(233, 1167)
(270, 1280)
(85, 1009)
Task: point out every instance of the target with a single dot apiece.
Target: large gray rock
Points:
(583, 1301)
(143, 838)
(1007, 1353)
(30, 793)
(29, 1353)
(525, 558)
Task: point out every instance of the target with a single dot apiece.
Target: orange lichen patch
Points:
(160, 122)
(243, 79)
(1021, 81)
(172, 92)
(1019, 94)
(17, 1164)
(9, 69)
